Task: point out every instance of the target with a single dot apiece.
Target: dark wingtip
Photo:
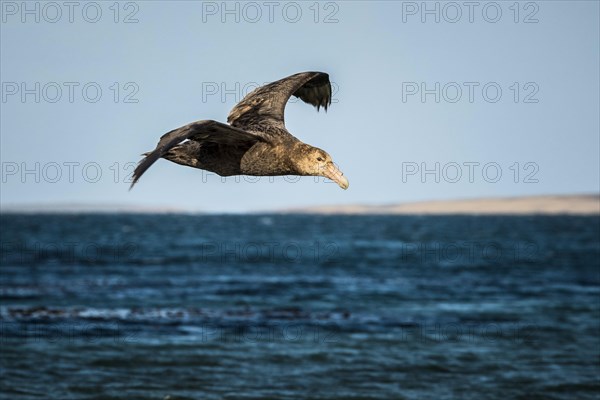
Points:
(143, 165)
(136, 178)
(325, 104)
(133, 182)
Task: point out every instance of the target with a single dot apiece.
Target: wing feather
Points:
(200, 131)
(266, 104)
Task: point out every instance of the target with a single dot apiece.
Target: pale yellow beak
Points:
(332, 172)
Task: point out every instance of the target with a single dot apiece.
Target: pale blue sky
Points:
(375, 53)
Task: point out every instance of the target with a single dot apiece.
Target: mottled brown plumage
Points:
(256, 141)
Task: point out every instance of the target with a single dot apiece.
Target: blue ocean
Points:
(176, 306)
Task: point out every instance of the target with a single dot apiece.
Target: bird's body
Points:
(256, 141)
(224, 160)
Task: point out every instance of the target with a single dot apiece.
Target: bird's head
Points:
(316, 162)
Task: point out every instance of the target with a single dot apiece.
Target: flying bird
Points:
(255, 140)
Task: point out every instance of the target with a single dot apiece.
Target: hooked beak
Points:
(332, 172)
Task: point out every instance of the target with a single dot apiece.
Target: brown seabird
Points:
(255, 141)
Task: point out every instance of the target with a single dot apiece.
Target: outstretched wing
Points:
(265, 105)
(200, 131)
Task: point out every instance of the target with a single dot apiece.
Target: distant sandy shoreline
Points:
(545, 205)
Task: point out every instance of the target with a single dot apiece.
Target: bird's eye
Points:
(319, 159)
